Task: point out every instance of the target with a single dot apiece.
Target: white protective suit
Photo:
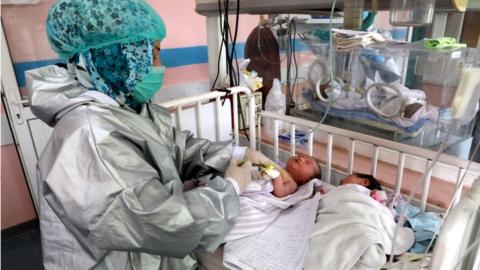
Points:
(111, 193)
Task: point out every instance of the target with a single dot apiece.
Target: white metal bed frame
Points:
(179, 104)
(375, 143)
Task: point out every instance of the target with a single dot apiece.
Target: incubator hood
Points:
(210, 7)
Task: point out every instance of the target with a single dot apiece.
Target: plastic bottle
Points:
(275, 102)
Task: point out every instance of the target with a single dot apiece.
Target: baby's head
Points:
(303, 168)
(365, 180)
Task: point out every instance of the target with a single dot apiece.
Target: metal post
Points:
(198, 115)
(351, 155)
(292, 140)
(275, 140)
(426, 185)
(373, 168)
(329, 157)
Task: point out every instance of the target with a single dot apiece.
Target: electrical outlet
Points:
(243, 107)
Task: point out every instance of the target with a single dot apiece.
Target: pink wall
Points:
(176, 75)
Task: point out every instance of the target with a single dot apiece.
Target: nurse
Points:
(111, 178)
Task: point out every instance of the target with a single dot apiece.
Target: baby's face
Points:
(302, 168)
(354, 179)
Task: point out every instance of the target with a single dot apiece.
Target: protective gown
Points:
(111, 183)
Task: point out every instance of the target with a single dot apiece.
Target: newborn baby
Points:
(299, 170)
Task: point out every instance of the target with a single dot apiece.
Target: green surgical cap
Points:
(75, 26)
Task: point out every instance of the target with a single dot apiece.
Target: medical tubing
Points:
(467, 251)
(457, 189)
(226, 34)
(330, 62)
(375, 109)
(289, 94)
(401, 219)
(294, 55)
(233, 39)
(224, 29)
(231, 69)
(225, 38)
(233, 55)
(292, 33)
(221, 46)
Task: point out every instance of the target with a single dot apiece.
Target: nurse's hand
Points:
(241, 174)
(257, 158)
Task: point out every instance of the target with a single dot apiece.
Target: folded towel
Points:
(347, 39)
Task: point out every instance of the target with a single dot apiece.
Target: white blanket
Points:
(353, 231)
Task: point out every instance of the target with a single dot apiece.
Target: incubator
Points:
(400, 92)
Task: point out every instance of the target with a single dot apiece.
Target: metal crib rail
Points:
(403, 150)
(198, 101)
(376, 144)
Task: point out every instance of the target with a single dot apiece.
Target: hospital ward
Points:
(240, 134)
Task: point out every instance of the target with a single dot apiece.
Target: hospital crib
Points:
(328, 134)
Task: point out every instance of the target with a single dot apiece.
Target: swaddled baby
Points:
(284, 181)
(364, 180)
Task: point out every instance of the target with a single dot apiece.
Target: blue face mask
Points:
(149, 86)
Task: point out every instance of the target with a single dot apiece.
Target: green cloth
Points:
(445, 43)
(76, 26)
(369, 20)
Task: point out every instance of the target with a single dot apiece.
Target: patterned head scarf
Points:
(115, 70)
(76, 26)
(114, 37)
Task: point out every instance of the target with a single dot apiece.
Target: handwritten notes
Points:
(281, 246)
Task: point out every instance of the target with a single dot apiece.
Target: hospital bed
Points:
(329, 136)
